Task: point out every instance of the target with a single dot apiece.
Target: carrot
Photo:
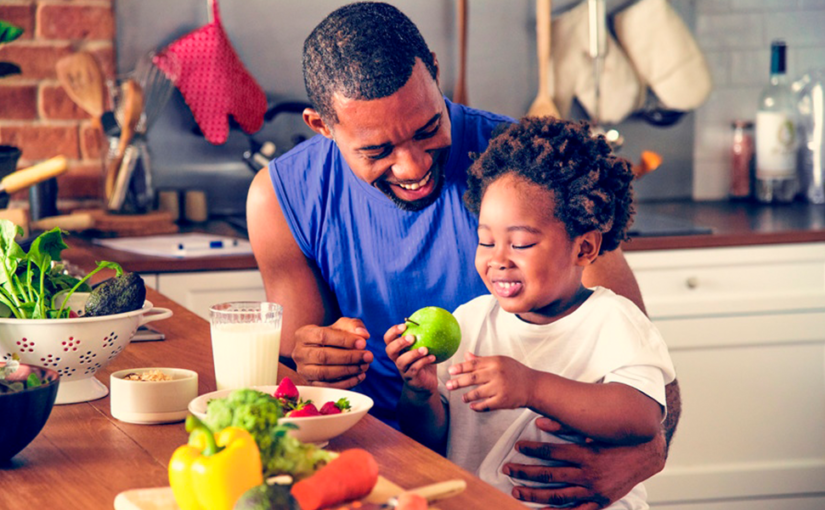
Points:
(650, 162)
(351, 475)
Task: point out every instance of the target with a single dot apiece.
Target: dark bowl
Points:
(24, 413)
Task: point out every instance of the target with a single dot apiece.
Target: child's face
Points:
(524, 255)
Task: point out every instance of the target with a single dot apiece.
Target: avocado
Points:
(121, 294)
(267, 497)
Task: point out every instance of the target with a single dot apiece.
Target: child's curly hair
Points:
(591, 187)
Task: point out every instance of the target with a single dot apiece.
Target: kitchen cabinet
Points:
(198, 291)
(746, 330)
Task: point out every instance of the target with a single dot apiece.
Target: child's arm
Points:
(421, 413)
(612, 412)
(424, 419)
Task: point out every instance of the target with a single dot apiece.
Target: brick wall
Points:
(36, 115)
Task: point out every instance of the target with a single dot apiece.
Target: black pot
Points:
(8, 164)
(24, 413)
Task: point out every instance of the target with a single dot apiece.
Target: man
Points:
(361, 226)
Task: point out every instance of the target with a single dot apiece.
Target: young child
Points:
(550, 199)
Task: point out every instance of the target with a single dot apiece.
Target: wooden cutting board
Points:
(132, 225)
(161, 498)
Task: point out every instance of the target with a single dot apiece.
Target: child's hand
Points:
(500, 382)
(416, 367)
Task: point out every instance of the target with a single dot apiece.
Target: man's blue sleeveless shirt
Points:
(380, 262)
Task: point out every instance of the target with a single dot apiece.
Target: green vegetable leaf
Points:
(33, 381)
(48, 244)
(29, 281)
(9, 32)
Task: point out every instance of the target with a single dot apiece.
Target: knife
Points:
(432, 493)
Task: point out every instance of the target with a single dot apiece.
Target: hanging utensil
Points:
(157, 87)
(82, 79)
(543, 103)
(130, 115)
(597, 48)
(460, 94)
(32, 175)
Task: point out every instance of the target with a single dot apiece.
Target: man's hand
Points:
(333, 356)
(599, 474)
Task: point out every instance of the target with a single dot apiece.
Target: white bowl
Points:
(150, 402)
(311, 429)
(75, 348)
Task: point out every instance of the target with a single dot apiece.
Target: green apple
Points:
(436, 329)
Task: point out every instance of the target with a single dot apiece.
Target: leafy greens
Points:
(11, 383)
(29, 282)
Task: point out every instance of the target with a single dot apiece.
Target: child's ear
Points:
(588, 245)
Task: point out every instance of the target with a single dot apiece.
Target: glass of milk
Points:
(246, 338)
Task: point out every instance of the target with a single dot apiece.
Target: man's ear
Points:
(588, 246)
(437, 68)
(313, 119)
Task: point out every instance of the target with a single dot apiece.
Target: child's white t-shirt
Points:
(607, 339)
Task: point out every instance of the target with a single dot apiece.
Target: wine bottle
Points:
(776, 135)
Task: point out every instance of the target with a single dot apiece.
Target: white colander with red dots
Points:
(75, 348)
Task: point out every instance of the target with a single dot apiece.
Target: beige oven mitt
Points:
(621, 90)
(664, 53)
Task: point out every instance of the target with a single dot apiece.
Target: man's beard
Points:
(437, 171)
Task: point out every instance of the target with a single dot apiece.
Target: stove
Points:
(657, 225)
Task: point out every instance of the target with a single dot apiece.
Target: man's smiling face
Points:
(399, 143)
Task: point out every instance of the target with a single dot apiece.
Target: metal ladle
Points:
(597, 46)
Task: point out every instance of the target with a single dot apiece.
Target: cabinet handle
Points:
(692, 282)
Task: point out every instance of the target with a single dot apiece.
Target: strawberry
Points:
(307, 409)
(335, 407)
(286, 390)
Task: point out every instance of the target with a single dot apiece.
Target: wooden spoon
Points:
(82, 78)
(132, 108)
(460, 94)
(543, 104)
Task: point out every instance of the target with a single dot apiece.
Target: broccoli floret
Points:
(258, 413)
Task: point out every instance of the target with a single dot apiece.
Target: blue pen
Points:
(207, 245)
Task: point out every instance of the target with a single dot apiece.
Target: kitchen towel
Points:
(620, 89)
(664, 53)
(213, 80)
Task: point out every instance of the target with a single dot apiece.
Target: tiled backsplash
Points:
(736, 36)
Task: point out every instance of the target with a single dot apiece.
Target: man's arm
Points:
(289, 278)
(612, 271)
(325, 352)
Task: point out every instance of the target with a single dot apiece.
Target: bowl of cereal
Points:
(152, 395)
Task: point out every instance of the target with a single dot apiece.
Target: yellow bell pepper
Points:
(212, 471)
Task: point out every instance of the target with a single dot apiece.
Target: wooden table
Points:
(84, 457)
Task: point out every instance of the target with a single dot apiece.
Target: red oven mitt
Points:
(213, 80)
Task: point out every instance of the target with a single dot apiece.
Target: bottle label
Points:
(775, 145)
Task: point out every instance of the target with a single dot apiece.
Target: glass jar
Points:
(742, 152)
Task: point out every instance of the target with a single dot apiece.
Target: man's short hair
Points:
(363, 51)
